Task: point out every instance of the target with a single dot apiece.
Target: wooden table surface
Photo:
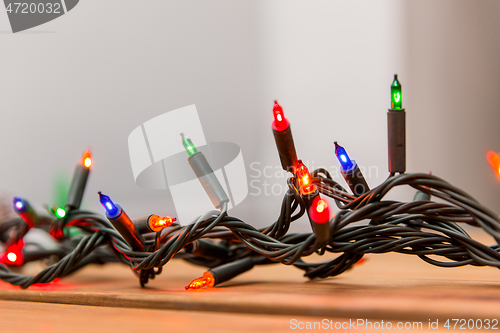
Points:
(389, 287)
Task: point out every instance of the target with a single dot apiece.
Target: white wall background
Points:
(453, 52)
(90, 77)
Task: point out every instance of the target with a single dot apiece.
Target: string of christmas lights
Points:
(366, 222)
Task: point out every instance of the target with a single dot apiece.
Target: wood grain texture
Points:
(54, 318)
(388, 287)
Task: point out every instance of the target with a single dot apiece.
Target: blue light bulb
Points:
(111, 209)
(343, 158)
(20, 205)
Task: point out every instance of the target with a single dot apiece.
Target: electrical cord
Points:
(366, 223)
(421, 228)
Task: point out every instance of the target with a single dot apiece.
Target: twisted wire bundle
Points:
(364, 224)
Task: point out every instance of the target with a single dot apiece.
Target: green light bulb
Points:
(188, 144)
(396, 96)
(57, 211)
(60, 213)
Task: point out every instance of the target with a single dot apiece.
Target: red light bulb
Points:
(321, 206)
(319, 210)
(13, 256)
(304, 178)
(280, 123)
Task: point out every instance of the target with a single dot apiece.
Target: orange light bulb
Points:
(361, 261)
(157, 223)
(207, 280)
(87, 159)
(304, 178)
(494, 160)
